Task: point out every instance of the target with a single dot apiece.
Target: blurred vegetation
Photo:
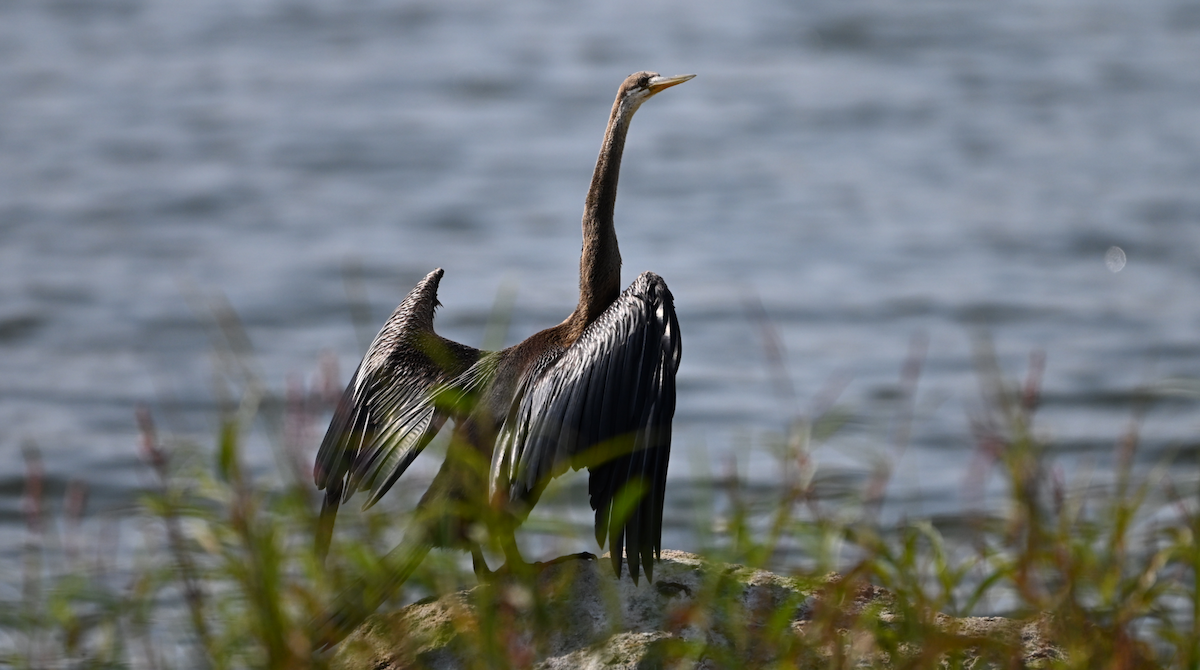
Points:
(222, 573)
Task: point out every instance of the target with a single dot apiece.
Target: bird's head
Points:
(641, 86)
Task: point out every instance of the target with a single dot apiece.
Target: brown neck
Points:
(600, 261)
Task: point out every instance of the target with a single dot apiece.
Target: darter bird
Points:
(595, 391)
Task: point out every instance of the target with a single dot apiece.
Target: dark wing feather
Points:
(388, 412)
(606, 403)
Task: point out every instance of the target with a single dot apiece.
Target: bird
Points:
(595, 391)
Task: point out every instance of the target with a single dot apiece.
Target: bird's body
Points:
(595, 391)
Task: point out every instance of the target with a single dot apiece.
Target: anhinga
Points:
(595, 391)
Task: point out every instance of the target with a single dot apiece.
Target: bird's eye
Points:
(644, 82)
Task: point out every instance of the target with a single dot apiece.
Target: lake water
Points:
(875, 174)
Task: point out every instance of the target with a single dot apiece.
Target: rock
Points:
(576, 614)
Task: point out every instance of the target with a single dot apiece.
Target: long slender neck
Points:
(600, 261)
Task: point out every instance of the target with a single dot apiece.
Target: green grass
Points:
(224, 575)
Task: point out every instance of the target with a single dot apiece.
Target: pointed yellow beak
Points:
(658, 84)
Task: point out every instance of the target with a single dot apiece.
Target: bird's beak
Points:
(662, 83)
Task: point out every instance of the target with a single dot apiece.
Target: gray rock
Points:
(576, 614)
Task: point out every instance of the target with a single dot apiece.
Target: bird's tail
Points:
(365, 595)
(329, 509)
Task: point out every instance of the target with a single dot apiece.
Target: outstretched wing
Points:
(605, 403)
(388, 412)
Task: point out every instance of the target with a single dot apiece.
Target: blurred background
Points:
(846, 186)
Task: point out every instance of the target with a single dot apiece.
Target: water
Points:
(872, 172)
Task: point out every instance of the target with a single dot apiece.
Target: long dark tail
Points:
(329, 509)
(365, 596)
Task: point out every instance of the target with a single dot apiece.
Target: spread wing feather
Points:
(389, 411)
(605, 403)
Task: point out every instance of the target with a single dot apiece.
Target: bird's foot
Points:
(517, 566)
(581, 556)
(482, 571)
(500, 574)
(540, 566)
(513, 566)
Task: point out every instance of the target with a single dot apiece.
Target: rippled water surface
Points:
(873, 173)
